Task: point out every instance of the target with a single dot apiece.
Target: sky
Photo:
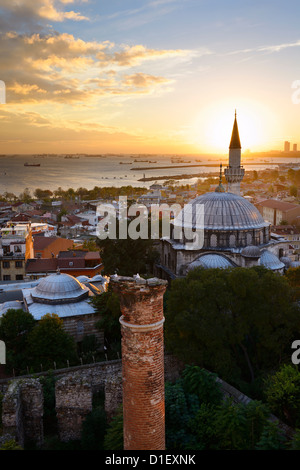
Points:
(148, 76)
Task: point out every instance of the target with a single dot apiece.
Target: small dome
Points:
(270, 261)
(83, 278)
(211, 260)
(295, 264)
(98, 278)
(60, 288)
(251, 251)
(286, 260)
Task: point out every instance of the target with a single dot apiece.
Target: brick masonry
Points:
(141, 303)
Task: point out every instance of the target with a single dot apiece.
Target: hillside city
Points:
(56, 275)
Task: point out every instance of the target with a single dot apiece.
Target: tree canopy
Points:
(236, 322)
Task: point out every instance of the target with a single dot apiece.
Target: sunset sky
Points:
(142, 76)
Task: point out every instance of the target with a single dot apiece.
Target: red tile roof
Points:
(281, 205)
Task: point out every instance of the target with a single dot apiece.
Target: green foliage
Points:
(180, 408)
(93, 430)
(222, 320)
(107, 305)
(199, 418)
(282, 391)
(295, 444)
(128, 256)
(49, 417)
(271, 438)
(48, 342)
(15, 326)
(113, 439)
(48, 384)
(203, 384)
(11, 445)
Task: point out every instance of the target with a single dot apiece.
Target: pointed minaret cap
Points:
(235, 142)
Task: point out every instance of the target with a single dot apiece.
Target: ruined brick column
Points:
(142, 361)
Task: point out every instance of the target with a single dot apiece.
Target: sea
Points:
(88, 171)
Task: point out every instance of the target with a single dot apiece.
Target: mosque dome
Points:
(251, 251)
(59, 288)
(270, 261)
(286, 260)
(211, 260)
(222, 211)
(83, 278)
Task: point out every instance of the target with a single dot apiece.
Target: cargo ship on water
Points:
(32, 164)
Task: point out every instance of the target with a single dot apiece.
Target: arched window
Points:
(249, 238)
(261, 237)
(232, 240)
(213, 241)
(80, 327)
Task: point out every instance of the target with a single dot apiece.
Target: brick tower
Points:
(142, 361)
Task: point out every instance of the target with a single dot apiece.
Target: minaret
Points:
(234, 173)
(142, 320)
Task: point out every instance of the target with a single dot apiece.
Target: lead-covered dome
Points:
(211, 260)
(59, 288)
(221, 211)
(270, 261)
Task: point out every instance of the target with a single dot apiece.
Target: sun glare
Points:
(212, 127)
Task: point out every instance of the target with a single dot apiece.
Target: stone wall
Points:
(23, 399)
(73, 397)
(22, 411)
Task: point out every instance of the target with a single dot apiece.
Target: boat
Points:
(32, 164)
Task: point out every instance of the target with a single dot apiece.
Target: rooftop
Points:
(276, 204)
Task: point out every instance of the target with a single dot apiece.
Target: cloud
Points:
(40, 9)
(270, 49)
(143, 80)
(61, 68)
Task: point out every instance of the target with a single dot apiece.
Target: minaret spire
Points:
(234, 173)
(235, 142)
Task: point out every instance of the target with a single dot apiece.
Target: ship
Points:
(32, 164)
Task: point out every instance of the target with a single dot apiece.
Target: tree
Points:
(15, 326)
(42, 193)
(25, 196)
(282, 391)
(113, 439)
(48, 342)
(223, 320)
(107, 306)
(94, 429)
(293, 277)
(127, 257)
(203, 384)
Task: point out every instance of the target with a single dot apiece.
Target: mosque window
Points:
(80, 327)
(213, 240)
(232, 240)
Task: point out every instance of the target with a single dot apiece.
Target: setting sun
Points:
(212, 126)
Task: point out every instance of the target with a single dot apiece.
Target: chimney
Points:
(141, 303)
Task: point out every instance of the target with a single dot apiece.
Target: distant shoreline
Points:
(169, 167)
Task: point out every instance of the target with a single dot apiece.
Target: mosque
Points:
(234, 234)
